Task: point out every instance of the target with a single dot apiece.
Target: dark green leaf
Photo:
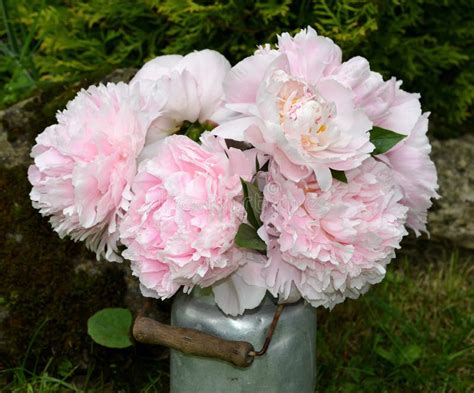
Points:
(384, 140)
(194, 130)
(247, 237)
(339, 175)
(238, 144)
(252, 219)
(254, 197)
(264, 168)
(110, 327)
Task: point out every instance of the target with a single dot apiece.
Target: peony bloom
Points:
(84, 165)
(292, 109)
(186, 88)
(415, 173)
(184, 215)
(390, 107)
(326, 246)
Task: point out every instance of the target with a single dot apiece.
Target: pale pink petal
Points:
(242, 290)
(415, 173)
(85, 164)
(209, 68)
(242, 82)
(234, 129)
(404, 112)
(157, 67)
(330, 245)
(310, 56)
(185, 212)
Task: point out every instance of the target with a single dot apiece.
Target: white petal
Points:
(209, 69)
(233, 295)
(234, 129)
(324, 177)
(156, 68)
(241, 84)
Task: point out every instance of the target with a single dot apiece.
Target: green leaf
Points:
(65, 368)
(247, 237)
(110, 327)
(339, 175)
(238, 144)
(264, 168)
(400, 356)
(411, 354)
(389, 356)
(255, 198)
(194, 130)
(252, 219)
(384, 140)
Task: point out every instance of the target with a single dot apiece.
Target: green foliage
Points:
(339, 175)
(194, 130)
(384, 140)
(110, 327)
(253, 198)
(426, 43)
(247, 237)
(16, 57)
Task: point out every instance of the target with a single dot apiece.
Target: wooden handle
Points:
(193, 342)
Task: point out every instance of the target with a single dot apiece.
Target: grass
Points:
(23, 380)
(412, 333)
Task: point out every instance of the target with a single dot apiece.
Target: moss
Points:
(41, 282)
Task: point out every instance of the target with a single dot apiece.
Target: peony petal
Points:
(233, 295)
(209, 68)
(234, 129)
(310, 56)
(156, 68)
(241, 84)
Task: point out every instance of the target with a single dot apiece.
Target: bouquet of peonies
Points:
(292, 172)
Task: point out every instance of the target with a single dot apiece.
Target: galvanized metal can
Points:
(288, 366)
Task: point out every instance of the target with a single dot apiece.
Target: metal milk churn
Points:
(288, 366)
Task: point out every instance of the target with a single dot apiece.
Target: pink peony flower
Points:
(185, 88)
(384, 102)
(415, 173)
(292, 109)
(388, 106)
(84, 165)
(184, 215)
(329, 245)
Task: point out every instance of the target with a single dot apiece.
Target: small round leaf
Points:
(110, 327)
